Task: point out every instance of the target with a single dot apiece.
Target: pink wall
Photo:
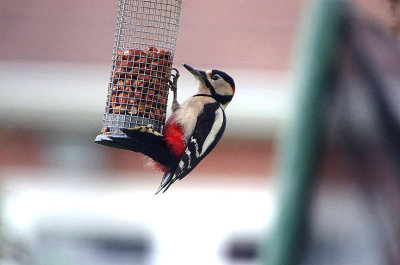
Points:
(220, 32)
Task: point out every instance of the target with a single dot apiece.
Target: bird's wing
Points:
(208, 130)
(152, 144)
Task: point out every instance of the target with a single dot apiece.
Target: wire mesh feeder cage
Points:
(143, 53)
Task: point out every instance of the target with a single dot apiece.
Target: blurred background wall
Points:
(55, 59)
(55, 62)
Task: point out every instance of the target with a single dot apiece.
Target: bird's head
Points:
(216, 83)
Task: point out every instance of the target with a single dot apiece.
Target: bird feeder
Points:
(142, 58)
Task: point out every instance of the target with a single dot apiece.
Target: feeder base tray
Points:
(108, 141)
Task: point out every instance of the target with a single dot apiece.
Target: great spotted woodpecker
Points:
(192, 130)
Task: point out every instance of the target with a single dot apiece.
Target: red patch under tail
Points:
(174, 137)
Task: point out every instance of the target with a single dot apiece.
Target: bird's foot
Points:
(174, 83)
(175, 106)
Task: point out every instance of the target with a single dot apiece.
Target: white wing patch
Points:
(193, 140)
(219, 119)
(189, 159)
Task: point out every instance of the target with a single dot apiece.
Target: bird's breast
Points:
(187, 114)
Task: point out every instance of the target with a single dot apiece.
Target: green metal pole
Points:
(314, 71)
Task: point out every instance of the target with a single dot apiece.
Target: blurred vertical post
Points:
(314, 70)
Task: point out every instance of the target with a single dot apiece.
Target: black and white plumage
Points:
(208, 131)
(192, 130)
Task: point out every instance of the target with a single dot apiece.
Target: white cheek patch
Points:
(219, 119)
(224, 89)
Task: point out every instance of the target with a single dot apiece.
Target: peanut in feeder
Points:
(143, 53)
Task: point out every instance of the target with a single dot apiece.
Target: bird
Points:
(192, 130)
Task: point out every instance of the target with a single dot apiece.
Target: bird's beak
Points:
(201, 75)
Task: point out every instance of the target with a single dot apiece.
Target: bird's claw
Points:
(174, 83)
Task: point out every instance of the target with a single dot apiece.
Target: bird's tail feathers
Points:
(166, 182)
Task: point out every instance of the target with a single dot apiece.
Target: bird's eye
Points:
(214, 77)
